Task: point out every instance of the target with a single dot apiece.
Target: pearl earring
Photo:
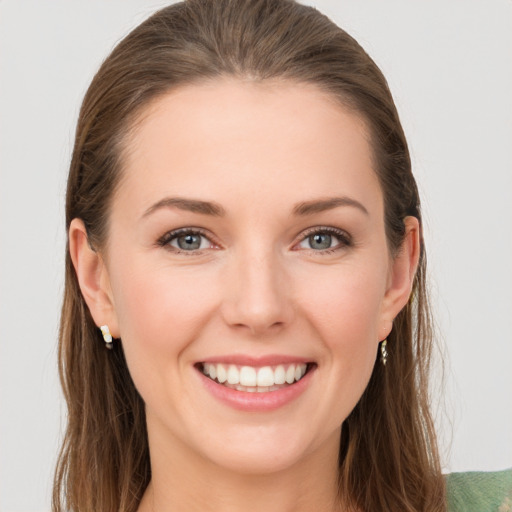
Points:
(106, 336)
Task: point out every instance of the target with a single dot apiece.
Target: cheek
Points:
(343, 308)
(345, 305)
(153, 302)
(160, 313)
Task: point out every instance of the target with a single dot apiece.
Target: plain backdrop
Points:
(449, 66)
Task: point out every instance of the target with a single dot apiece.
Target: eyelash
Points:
(345, 240)
(343, 237)
(166, 240)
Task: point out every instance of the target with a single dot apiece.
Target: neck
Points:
(183, 481)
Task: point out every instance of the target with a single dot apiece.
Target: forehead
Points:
(232, 138)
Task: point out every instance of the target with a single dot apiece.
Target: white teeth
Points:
(250, 379)
(265, 377)
(222, 375)
(233, 375)
(279, 375)
(290, 374)
(247, 376)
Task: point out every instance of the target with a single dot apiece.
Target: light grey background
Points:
(449, 65)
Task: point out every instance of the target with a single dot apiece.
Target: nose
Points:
(258, 298)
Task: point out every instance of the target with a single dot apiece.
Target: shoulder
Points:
(479, 492)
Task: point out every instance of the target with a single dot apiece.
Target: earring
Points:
(106, 336)
(384, 352)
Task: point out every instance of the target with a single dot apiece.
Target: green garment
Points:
(479, 492)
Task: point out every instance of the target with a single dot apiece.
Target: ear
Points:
(401, 276)
(92, 277)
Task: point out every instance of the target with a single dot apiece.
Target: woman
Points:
(245, 235)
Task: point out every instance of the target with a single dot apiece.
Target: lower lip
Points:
(257, 402)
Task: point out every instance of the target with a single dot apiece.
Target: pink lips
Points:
(257, 402)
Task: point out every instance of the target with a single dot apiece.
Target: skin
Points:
(256, 287)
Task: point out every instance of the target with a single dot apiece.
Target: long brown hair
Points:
(388, 458)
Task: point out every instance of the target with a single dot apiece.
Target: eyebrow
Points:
(321, 205)
(216, 210)
(190, 205)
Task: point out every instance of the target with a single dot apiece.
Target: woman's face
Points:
(247, 241)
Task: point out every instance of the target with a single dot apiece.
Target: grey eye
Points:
(325, 240)
(320, 241)
(188, 242)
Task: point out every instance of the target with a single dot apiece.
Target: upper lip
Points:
(256, 361)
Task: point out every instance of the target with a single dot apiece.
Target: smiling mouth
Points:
(255, 379)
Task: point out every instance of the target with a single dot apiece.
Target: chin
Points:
(260, 460)
(264, 450)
